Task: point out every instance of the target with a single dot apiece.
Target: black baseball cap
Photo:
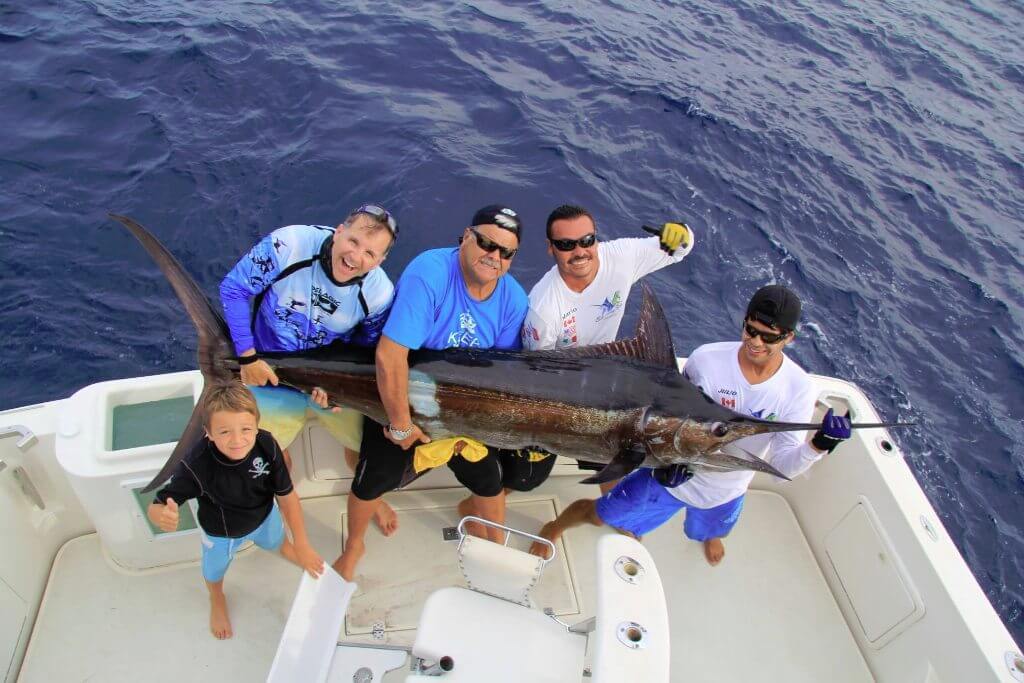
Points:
(497, 214)
(775, 306)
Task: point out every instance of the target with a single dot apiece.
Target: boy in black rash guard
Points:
(235, 474)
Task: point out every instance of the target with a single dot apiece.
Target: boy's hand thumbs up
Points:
(169, 516)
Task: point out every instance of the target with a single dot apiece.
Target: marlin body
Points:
(623, 403)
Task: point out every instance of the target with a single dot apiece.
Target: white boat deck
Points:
(100, 623)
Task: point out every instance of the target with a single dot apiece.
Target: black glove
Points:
(673, 475)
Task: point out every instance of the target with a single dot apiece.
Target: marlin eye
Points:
(719, 429)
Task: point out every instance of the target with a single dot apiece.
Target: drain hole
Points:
(886, 446)
(631, 569)
(635, 636)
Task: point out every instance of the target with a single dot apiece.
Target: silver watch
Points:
(400, 434)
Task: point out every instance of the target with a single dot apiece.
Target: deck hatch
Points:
(880, 592)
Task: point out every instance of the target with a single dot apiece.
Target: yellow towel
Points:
(436, 453)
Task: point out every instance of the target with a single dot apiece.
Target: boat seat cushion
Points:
(496, 641)
(499, 570)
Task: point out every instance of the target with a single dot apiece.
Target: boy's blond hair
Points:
(232, 396)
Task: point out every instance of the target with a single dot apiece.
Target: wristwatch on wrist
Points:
(399, 434)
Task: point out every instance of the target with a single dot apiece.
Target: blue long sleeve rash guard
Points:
(304, 309)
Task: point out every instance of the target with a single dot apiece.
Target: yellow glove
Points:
(672, 236)
(435, 453)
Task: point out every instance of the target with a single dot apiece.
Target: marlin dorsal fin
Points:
(652, 343)
(653, 336)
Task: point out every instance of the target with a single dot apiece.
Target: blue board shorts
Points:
(284, 411)
(639, 504)
(218, 551)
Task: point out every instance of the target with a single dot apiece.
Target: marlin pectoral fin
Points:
(190, 438)
(623, 463)
(727, 462)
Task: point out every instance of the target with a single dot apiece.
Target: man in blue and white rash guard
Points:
(446, 298)
(305, 286)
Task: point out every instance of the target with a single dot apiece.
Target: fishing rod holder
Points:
(425, 667)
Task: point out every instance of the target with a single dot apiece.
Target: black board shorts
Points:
(588, 466)
(382, 465)
(518, 473)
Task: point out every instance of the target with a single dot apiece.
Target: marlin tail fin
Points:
(214, 339)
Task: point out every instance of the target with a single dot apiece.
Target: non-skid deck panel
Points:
(764, 614)
(397, 574)
(100, 624)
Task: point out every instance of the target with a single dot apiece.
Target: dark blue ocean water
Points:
(869, 155)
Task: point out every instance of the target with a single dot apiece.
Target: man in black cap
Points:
(751, 376)
(446, 298)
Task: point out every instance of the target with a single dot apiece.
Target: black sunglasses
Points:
(489, 245)
(381, 213)
(766, 337)
(586, 242)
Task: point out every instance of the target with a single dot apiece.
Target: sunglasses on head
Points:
(586, 242)
(490, 245)
(766, 337)
(381, 213)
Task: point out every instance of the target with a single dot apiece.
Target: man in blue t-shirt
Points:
(446, 298)
(305, 286)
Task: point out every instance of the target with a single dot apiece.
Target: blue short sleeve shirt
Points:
(433, 309)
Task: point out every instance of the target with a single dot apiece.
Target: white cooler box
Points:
(112, 438)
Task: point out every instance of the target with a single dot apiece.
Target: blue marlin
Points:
(624, 403)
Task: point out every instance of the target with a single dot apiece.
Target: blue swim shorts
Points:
(284, 411)
(639, 504)
(218, 551)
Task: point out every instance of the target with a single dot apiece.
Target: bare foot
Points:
(387, 520)
(220, 624)
(549, 531)
(714, 551)
(346, 564)
(465, 509)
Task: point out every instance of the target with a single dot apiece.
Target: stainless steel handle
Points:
(27, 437)
(508, 533)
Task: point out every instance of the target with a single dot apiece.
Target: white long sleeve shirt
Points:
(561, 318)
(787, 396)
